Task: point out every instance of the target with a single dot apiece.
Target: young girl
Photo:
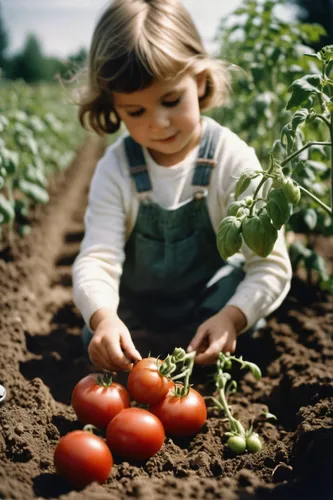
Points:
(159, 194)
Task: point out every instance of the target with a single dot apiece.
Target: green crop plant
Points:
(39, 134)
(292, 175)
(239, 438)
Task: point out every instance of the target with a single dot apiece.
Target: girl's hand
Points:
(111, 347)
(216, 334)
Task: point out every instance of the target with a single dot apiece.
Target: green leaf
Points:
(258, 72)
(259, 234)
(316, 262)
(326, 53)
(318, 165)
(255, 370)
(297, 253)
(7, 211)
(10, 160)
(32, 174)
(278, 207)
(244, 181)
(314, 56)
(299, 117)
(269, 415)
(300, 165)
(310, 218)
(228, 237)
(37, 193)
(302, 89)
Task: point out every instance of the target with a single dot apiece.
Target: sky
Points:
(64, 26)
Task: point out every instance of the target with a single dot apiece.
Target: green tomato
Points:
(237, 444)
(234, 207)
(253, 443)
(248, 200)
(292, 191)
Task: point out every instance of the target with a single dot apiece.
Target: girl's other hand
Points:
(216, 334)
(111, 347)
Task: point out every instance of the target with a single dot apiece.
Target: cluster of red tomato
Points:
(131, 432)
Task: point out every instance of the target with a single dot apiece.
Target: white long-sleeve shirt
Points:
(112, 211)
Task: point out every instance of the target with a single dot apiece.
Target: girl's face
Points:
(165, 117)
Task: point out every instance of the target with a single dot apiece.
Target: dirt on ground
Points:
(42, 359)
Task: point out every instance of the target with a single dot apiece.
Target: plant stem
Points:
(234, 424)
(266, 176)
(186, 374)
(306, 146)
(324, 119)
(317, 200)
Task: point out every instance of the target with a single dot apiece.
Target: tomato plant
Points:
(135, 434)
(146, 383)
(181, 415)
(81, 458)
(96, 399)
(240, 440)
(293, 171)
(37, 140)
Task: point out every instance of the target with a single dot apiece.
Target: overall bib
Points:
(171, 255)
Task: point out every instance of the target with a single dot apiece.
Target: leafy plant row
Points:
(282, 106)
(38, 136)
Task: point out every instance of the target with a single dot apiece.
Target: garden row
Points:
(39, 134)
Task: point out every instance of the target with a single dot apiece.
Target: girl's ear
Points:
(201, 79)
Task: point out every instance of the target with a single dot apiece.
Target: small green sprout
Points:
(239, 439)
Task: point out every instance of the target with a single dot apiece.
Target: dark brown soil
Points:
(42, 359)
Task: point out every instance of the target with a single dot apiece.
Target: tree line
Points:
(31, 65)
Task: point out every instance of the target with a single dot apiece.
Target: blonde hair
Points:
(136, 42)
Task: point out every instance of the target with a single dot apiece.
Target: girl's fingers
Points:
(129, 347)
(116, 356)
(197, 339)
(210, 355)
(230, 346)
(98, 358)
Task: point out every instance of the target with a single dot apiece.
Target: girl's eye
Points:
(171, 104)
(136, 113)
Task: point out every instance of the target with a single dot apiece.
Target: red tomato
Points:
(181, 416)
(145, 384)
(97, 404)
(81, 457)
(135, 434)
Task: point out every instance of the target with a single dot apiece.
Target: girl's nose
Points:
(160, 119)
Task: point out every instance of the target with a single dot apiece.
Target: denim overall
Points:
(171, 255)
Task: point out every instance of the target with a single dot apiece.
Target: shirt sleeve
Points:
(97, 268)
(267, 280)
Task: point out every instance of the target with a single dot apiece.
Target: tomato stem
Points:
(186, 372)
(225, 385)
(92, 429)
(169, 366)
(105, 380)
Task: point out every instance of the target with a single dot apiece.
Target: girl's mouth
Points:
(168, 139)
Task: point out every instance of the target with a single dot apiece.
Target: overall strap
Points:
(137, 164)
(206, 158)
